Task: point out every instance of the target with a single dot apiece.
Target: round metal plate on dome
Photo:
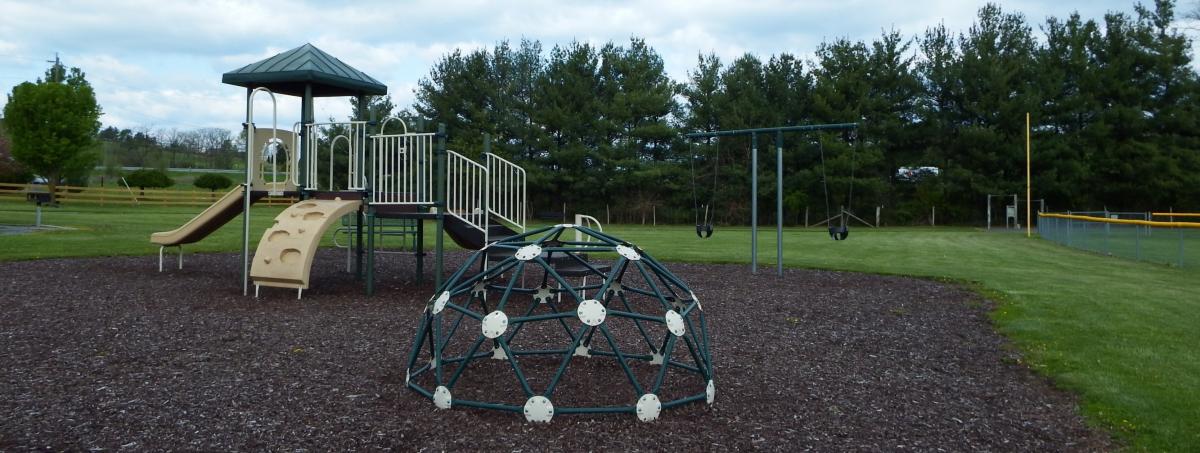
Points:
(440, 303)
(710, 392)
(675, 323)
(528, 252)
(539, 409)
(494, 324)
(629, 253)
(565, 225)
(591, 312)
(648, 407)
(441, 397)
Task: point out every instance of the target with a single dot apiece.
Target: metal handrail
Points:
(333, 146)
(586, 221)
(383, 125)
(250, 128)
(402, 168)
(356, 178)
(467, 191)
(507, 200)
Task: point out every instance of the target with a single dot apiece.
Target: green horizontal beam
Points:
(766, 130)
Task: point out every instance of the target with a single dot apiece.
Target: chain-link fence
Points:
(1126, 235)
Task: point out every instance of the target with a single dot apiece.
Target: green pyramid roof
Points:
(288, 72)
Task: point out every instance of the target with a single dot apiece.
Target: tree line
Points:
(206, 147)
(1112, 103)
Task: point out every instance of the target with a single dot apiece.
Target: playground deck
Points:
(105, 358)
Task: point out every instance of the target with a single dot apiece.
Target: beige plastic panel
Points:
(283, 166)
(285, 253)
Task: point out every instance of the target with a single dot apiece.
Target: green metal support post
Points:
(439, 171)
(306, 118)
(487, 148)
(246, 201)
(366, 200)
(779, 202)
(420, 252)
(370, 252)
(753, 203)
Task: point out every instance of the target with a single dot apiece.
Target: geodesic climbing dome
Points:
(538, 324)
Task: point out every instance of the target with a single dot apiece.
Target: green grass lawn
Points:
(1122, 334)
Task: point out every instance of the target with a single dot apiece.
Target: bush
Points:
(149, 178)
(12, 172)
(212, 181)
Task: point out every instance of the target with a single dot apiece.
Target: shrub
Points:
(149, 178)
(212, 181)
(12, 172)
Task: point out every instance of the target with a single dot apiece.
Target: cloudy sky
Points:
(158, 64)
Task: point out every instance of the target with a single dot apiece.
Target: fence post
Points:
(1137, 242)
(1107, 229)
(1180, 247)
(1069, 227)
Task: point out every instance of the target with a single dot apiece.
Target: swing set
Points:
(704, 226)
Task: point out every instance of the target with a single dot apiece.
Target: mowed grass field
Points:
(1121, 334)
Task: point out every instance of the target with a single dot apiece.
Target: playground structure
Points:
(391, 174)
(636, 314)
(838, 233)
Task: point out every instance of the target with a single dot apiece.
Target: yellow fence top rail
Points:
(1122, 221)
(1175, 214)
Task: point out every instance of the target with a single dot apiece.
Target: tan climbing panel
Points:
(285, 253)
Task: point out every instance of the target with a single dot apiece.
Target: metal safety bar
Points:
(508, 198)
(356, 134)
(402, 167)
(467, 191)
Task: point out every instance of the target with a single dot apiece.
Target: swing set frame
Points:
(778, 132)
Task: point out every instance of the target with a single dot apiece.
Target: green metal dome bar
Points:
(668, 290)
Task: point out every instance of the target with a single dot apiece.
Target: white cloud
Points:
(160, 63)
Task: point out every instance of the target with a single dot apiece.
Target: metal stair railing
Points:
(467, 191)
(507, 199)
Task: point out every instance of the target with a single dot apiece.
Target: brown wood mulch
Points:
(107, 354)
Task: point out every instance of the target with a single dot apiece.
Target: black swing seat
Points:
(839, 233)
(704, 230)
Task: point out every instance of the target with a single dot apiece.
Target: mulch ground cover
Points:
(107, 354)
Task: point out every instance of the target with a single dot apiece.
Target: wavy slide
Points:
(285, 254)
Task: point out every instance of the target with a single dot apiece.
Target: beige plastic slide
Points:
(225, 209)
(285, 253)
